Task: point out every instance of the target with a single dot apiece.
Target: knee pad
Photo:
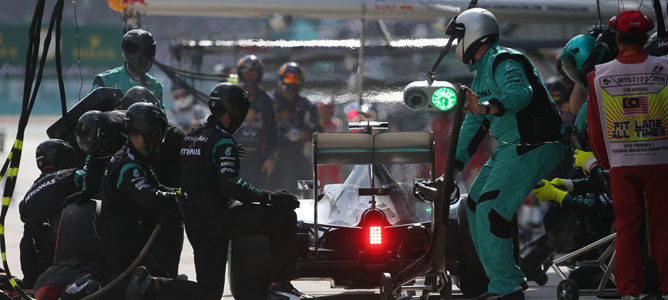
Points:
(499, 226)
(470, 203)
(490, 195)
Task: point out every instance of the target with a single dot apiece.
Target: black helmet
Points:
(55, 154)
(231, 98)
(138, 94)
(250, 62)
(138, 50)
(148, 120)
(100, 133)
(88, 132)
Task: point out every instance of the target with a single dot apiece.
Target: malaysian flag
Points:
(635, 105)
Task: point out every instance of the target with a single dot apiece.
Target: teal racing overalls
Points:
(119, 78)
(528, 131)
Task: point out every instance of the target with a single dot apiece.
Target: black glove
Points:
(595, 30)
(282, 199)
(429, 190)
(607, 38)
(169, 203)
(241, 151)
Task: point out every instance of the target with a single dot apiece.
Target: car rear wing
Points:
(413, 147)
(340, 148)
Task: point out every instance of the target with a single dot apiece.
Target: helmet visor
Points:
(292, 78)
(570, 67)
(88, 138)
(131, 48)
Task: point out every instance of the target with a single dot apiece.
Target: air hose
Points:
(133, 265)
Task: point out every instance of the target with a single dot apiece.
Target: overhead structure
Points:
(519, 11)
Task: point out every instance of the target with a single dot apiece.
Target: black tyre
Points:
(472, 278)
(386, 287)
(249, 267)
(541, 280)
(568, 290)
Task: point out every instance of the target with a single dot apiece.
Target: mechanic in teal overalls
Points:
(139, 52)
(508, 100)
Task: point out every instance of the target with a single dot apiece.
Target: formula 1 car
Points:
(371, 223)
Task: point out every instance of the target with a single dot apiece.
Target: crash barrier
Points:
(568, 288)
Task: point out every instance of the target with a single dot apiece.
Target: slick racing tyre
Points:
(250, 265)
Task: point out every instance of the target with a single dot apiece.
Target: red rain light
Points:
(375, 235)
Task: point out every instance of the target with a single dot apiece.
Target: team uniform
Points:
(523, 157)
(259, 136)
(119, 78)
(210, 219)
(40, 213)
(297, 119)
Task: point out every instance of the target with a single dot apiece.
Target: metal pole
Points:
(360, 58)
(315, 193)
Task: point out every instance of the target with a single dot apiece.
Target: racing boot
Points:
(285, 291)
(517, 295)
(140, 282)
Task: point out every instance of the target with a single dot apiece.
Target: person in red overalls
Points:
(328, 174)
(627, 121)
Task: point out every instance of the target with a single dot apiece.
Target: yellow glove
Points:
(563, 184)
(585, 160)
(233, 78)
(549, 192)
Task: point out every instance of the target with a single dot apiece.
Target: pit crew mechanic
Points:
(101, 134)
(210, 176)
(133, 198)
(298, 119)
(41, 207)
(258, 134)
(626, 127)
(508, 99)
(139, 52)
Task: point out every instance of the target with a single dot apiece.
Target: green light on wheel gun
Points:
(444, 98)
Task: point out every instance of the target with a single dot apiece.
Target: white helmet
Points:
(472, 28)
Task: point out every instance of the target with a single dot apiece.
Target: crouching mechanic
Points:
(508, 99)
(41, 207)
(210, 176)
(133, 198)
